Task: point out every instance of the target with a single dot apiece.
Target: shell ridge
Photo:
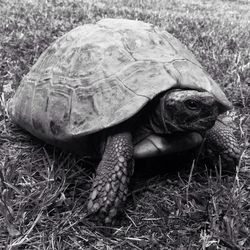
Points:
(179, 78)
(126, 48)
(130, 88)
(32, 101)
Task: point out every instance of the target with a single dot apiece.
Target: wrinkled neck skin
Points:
(153, 123)
(156, 122)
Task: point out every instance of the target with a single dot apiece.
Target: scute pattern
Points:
(99, 75)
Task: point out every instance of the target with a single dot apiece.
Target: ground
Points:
(44, 191)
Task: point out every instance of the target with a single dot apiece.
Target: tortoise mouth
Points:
(206, 123)
(199, 125)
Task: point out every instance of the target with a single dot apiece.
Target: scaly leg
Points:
(110, 186)
(220, 141)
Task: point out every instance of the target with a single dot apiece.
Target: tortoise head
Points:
(187, 110)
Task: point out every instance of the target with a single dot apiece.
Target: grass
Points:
(44, 191)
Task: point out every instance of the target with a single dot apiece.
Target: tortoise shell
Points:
(99, 75)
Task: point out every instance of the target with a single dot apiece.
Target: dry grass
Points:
(43, 191)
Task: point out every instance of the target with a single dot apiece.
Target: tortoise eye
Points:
(192, 105)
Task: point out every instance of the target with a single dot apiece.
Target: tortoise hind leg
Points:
(110, 186)
(221, 142)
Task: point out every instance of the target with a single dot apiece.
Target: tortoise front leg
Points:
(110, 186)
(221, 142)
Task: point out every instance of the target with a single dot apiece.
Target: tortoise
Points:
(118, 88)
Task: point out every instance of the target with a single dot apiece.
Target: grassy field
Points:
(43, 191)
